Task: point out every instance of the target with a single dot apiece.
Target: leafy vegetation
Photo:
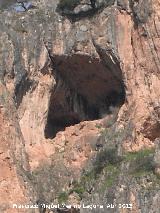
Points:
(62, 197)
(106, 162)
(111, 173)
(139, 155)
(105, 157)
(79, 189)
(141, 162)
(113, 135)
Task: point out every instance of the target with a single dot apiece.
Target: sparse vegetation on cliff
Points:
(62, 197)
(141, 162)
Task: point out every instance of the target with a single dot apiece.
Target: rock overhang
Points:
(86, 88)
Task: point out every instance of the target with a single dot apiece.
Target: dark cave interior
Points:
(86, 89)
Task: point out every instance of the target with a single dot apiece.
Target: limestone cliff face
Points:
(79, 84)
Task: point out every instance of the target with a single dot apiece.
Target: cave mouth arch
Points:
(87, 87)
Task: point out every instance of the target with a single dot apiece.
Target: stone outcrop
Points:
(76, 86)
(14, 179)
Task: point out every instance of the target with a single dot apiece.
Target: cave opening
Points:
(86, 89)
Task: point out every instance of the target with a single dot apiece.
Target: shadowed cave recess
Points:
(86, 89)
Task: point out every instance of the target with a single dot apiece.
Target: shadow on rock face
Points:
(76, 10)
(86, 89)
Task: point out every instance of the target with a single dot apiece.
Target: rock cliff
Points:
(80, 105)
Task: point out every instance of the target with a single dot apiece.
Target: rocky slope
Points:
(80, 105)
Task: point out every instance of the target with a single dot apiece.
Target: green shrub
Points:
(112, 173)
(62, 197)
(104, 158)
(112, 135)
(141, 162)
(139, 155)
(79, 189)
